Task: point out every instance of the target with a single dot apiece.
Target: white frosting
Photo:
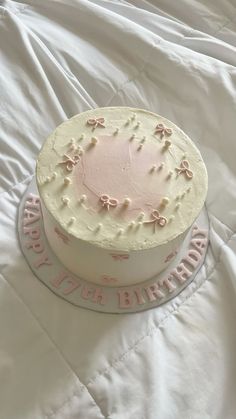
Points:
(156, 172)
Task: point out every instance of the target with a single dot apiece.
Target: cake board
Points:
(149, 294)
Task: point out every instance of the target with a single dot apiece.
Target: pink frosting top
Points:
(110, 171)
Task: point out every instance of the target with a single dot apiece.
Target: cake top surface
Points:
(121, 178)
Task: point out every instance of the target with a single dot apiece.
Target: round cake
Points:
(120, 188)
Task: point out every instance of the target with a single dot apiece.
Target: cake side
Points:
(121, 178)
(111, 267)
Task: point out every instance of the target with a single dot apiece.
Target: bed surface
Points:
(178, 59)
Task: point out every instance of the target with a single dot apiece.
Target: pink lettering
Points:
(43, 260)
(99, 296)
(168, 284)
(197, 231)
(56, 282)
(199, 244)
(30, 217)
(125, 299)
(139, 296)
(36, 245)
(33, 232)
(87, 292)
(96, 295)
(181, 273)
(153, 292)
(32, 202)
(192, 258)
(64, 279)
(72, 285)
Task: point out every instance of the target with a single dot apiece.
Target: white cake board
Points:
(143, 296)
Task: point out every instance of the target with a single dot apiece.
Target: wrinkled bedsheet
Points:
(177, 58)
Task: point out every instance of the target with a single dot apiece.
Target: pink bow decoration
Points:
(170, 256)
(156, 219)
(62, 236)
(184, 168)
(108, 202)
(70, 162)
(160, 128)
(118, 256)
(108, 279)
(96, 122)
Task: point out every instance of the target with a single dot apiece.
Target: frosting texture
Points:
(121, 179)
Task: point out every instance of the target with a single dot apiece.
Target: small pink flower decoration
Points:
(184, 168)
(62, 236)
(162, 130)
(70, 162)
(96, 122)
(156, 219)
(108, 202)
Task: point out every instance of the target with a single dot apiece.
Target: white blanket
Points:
(177, 58)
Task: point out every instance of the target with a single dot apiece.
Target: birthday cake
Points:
(120, 188)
